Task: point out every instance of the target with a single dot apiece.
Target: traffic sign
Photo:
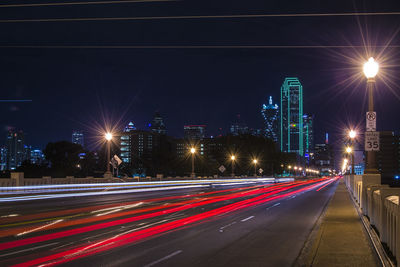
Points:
(371, 121)
(222, 168)
(260, 170)
(371, 141)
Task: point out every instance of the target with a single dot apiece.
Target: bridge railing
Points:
(380, 204)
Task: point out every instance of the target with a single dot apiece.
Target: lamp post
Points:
(233, 165)
(193, 151)
(255, 167)
(108, 137)
(371, 68)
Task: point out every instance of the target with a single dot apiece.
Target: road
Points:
(243, 225)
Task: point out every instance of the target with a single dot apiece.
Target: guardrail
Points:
(380, 204)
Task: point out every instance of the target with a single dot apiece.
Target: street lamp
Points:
(255, 167)
(352, 135)
(233, 165)
(193, 151)
(108, 136)
(371, 68)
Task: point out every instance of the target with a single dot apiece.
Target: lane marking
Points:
(277, 204)
(164, 258)
(28, 249)
(248, 218)
(223, 227)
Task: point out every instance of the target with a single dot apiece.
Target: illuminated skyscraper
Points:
(77, 137)
(308, 124)
(291, 119)
(15, 149)
(270, 114)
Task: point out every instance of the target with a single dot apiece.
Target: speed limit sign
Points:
(371, 141)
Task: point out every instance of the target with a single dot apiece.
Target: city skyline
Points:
(82, 87)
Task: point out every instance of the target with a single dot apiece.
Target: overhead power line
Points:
(203, 17)
(193, 46)
(83, 3)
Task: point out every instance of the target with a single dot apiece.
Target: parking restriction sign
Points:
(371, 121)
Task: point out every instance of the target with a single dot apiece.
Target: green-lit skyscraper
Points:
(291, 119)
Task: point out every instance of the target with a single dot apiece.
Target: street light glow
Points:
(371, 68)
(233, 157)
(349, 149)
(192, 150)
(352, 134)
(108, 136)
(254, 161)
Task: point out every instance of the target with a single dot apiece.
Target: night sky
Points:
(79, 88)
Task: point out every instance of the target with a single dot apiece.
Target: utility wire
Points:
(193, 46)
(83, 3)
(203, 17)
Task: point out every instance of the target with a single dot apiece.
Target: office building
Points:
(270, 115)
(291, 117)
(137, 148)
(3, 158)
(308, 134)
(324, 159)
(387, 158)
(37, 157)
(157, 125)
(130, 127)
(15, 149)
(77, 137)
(239, 127)
(194, 132)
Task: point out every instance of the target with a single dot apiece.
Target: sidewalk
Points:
(341, 239)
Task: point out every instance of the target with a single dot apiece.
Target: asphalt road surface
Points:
(244, 225)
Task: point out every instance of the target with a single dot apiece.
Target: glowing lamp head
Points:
(352, 134)
(255, 161)
(108, 136)
(349, 149)
(233, 157)
(192, 150)
(371, 68)
(289, 167)
(295, 168)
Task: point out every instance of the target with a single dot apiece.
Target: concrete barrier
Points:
(380, 204)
